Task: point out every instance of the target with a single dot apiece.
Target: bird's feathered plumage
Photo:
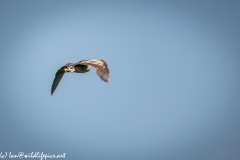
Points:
(57, 79)
(100, 66)
(82, 67)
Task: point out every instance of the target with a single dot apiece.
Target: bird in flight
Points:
(82, 67)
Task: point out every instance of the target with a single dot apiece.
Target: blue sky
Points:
(173, 91)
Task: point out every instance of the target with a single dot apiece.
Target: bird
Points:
(82, 67)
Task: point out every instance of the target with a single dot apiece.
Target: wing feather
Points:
(100, 66)
(57, 79)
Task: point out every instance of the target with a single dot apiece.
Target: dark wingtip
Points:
(105, 80)
(52, 92)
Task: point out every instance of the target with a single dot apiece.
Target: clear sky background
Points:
(174, 91)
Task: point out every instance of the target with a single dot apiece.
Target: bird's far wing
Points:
(57, 79)
(100, 66)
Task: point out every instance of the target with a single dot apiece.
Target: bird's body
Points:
(82, 67)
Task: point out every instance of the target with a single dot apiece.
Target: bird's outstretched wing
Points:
(100, 66)
(57, 79)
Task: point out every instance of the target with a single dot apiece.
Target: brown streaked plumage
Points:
(82, 67)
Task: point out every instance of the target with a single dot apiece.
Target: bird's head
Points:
(69, 67)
